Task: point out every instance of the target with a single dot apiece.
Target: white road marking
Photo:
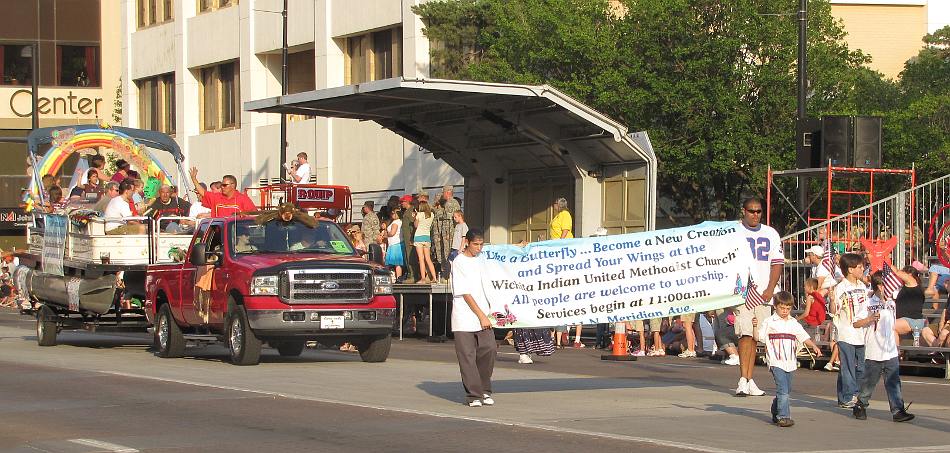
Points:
(106, 446)
(556, 429)
(904, 381)
(940, 448)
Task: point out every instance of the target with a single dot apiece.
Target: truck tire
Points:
(292, 348)
(45, 326)
(375, 349)
(245, 347)
(168, 337)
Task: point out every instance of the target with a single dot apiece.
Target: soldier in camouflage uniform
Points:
(443, 229)
(370, 225)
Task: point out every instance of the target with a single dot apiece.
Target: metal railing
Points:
(902, 227)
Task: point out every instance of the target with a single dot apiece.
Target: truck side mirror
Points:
(376, 254)
(199, 255)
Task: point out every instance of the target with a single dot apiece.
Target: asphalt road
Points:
(100, 393)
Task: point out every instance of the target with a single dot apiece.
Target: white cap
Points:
(816, 250)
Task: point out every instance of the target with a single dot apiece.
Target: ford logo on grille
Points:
(330, 285)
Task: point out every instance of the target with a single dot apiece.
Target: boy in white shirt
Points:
(877, 318)
(475, 344)
(782, 335)
(849, 294)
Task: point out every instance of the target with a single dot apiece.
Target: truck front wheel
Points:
(46, 326)
(375, 349)
(244, 345)
(168, 337)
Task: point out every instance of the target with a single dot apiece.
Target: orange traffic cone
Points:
(619, 352)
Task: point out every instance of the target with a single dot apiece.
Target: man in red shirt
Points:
(226, 203)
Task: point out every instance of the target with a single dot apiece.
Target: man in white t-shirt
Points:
(877, 319)
(300, 174)
(474, 339)
(768, 260)
(119, 208)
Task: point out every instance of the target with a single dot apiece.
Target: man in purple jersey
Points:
(766, 269)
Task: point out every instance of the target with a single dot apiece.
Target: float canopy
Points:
(152, 139)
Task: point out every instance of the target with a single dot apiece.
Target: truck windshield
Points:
(248, 237)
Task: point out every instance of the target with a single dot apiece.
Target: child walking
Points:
(877, 318)
(782, 335)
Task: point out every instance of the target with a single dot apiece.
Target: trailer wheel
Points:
(292, 348)
(45, 326)
(376, 349)
(244, 345)
(168, 337)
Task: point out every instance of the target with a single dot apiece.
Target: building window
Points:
(220, 97)
(211, 5)
(301, 74)
(157, 103)
(78, 66)
(373, 56)
(151, 12)
(16, 64)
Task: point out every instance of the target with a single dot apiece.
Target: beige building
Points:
(79, 72)
(890, 31)
(189, 65)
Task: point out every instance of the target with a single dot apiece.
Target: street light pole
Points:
(35, 52)
(283, 92)
(802, 51)
(801, 113)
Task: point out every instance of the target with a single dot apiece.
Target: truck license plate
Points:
(331, 322)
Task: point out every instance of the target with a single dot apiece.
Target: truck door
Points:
(186, 280)
(203, 281)
(219, 276)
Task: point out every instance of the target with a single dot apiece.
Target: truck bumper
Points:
(317, 322)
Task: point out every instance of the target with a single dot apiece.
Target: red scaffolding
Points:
(831, 192)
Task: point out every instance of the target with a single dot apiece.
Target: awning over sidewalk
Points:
(474, 125)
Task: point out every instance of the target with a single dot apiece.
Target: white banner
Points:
(54, 243)
(617, 278)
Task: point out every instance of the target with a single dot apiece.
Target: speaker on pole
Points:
(867, 141)
(808, 143)
(836, 140)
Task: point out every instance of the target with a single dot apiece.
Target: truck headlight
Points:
(264, 285)
(382, 284)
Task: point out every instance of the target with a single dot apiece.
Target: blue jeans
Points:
(783, 385)
(892, 382)
(852, 371)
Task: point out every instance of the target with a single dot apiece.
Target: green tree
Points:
(712, 82)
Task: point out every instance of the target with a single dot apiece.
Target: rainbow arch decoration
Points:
(68, 141)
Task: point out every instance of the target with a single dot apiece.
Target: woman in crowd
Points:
(910, 306)
(394, 257)
(423, 242)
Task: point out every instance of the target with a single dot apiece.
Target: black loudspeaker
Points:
(808, 143)
(836, 140)
(867, 141)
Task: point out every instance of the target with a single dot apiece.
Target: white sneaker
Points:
(687, 354)
(754, 390)
(475, 403)
(743, 388)
(732, 360)
(525, 358)
(488, 401)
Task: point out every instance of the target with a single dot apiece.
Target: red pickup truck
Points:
(280, 283)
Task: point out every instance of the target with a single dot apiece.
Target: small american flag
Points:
(891, 283)
(828, 257)
(752, 297)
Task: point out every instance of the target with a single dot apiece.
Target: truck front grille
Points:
(310, 286)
